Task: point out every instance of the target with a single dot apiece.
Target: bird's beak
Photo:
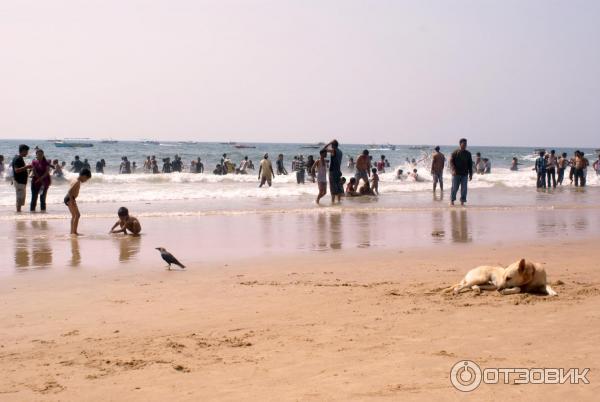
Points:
(157, 248)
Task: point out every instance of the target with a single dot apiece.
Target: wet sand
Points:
(350, 324)
(41, 243)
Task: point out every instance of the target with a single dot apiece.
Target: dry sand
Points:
(348, 325)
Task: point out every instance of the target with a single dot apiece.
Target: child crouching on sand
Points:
(71, 199)
(126, 223)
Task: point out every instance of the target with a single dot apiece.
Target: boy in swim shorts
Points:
(71, 199)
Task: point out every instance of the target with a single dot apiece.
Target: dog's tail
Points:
(550, 291)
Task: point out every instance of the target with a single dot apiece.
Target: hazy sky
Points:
(504, 72)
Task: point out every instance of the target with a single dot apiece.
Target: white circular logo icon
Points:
(465, 376)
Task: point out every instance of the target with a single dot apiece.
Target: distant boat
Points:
(242, 146)
(150, 142)
(109, 141)
(386, 147)
(73, 143)
(313, 146)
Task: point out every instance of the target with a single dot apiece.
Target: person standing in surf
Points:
(319, 169)
(461, 164)
(40, 180)
(335, 171)
(265, 172)
(437, 168)
(20, 175)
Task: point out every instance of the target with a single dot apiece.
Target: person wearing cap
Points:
(437, 168)
(265, 171)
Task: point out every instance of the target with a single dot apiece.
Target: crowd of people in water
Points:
(326, 171)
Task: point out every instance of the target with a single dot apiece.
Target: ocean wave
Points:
(186, 186)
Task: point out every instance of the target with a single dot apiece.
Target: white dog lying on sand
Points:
(521, 277)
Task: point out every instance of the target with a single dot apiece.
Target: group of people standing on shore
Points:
(318, 170)
(461, 166)
(548, 166)
(40, 171)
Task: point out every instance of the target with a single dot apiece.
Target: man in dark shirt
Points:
(20, 173)
(540, 168)
(76, 165)
(461, 164)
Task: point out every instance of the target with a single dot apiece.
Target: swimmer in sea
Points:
(400, 175)
(351, 188)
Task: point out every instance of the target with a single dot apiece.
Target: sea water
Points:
(206, 193)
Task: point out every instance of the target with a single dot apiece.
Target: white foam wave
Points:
(187, 186)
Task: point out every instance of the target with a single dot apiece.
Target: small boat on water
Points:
(313, 146)
(73, 143)
(242, 146)
(150, 142)
(386, 147)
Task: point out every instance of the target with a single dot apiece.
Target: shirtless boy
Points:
(126, 223)
(71, 199)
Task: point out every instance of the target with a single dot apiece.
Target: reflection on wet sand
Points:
(21, 245)
(320, 233)
(266, 223)
(129, 247)
(75, 253)
(328, 233)
(336, 231)
(32, 247)
(551, 225)
(41, 249)
(39, 243)
(437, 225)
(460, 226)
(364, 229)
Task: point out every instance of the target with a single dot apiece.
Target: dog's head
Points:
(517, 274)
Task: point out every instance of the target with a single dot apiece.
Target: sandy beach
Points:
(328, 172)
(354, 324)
